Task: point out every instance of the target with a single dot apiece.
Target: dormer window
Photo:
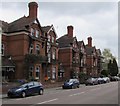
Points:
(32, 32)
(53, 39)
(37, 33)
(49, 38)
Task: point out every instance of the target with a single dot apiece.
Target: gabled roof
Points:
(47, 29)
(6, 62)
(4, 26)
(90, 50)
(80, 42)
(98, 52)
(65, 41)
(19, 25)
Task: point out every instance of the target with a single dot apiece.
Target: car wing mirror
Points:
(27, 86)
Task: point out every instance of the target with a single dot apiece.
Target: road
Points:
(98, 94)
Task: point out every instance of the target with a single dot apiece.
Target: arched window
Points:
(31, 49)
(37, 72)
(37, 49)
(31, 71)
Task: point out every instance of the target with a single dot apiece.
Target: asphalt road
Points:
(98, 94)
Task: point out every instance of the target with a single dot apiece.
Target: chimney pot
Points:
(70, 31)
(90, 41)
(33, 9)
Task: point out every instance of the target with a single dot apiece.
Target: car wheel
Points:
(40, 92)
(72, 87)
(23, 95)
(78, 86)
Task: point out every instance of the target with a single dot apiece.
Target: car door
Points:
(36, 87)
(30, 88)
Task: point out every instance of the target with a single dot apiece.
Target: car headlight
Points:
(18, 90)
(70, 83)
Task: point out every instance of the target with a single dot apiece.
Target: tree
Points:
(110, 67)
(114, 68)
(104, 73)
(107, 56)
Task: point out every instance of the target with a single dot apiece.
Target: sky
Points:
(96, 19)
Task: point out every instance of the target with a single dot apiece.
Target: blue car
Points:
(71, 83)
(26, 89)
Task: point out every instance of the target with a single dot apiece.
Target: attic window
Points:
(32, 32)
(37, 33)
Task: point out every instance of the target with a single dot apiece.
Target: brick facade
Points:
(30, 51)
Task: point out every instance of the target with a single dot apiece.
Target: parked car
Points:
(91, 81)
(106, 79)
(71, 83)
(100, 80)
(114, 78)
(26, 89)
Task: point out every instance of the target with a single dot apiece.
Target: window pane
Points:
(37, 33)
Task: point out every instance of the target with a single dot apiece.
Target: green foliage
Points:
(82, 77)
(107, 56)
(114, 70)
(113, 67)
(104, 73)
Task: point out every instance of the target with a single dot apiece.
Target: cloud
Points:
(96, 19)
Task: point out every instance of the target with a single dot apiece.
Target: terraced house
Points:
(68, 54)
(31, 51)
(27, 48)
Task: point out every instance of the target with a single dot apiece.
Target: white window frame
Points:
(49, 57)
(37, 49)
(49, 38)
(32, 32)
(3, 49)
(54, 73)
(54, 54)
(53, 39)
(37, 33)
(37, 71)
(31, 49)
(31, 71)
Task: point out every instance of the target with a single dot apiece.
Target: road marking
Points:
(95, 89)
(48, 101)
(77, 94)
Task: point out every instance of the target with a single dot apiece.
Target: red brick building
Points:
(83, 56)
(24, 48)
(68, 54)
(51, 52)
(93, 59)
(31, 51)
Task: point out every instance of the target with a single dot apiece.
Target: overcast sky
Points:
(96, 19)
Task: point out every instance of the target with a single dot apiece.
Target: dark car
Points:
(91, 81)
(26, 89)
(71, 83)
(100, 80)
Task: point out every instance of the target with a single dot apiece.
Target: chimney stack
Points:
(70, 31)
(90, 41)
(33, 9)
